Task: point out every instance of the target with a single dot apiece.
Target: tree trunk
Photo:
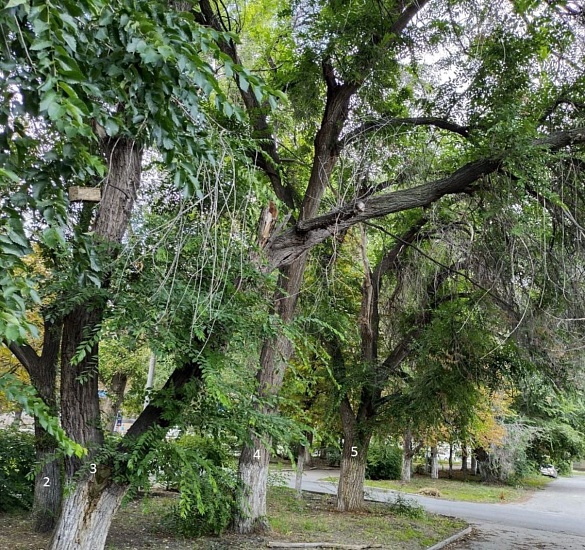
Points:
(17, 418)
(86, 516)
(300, 468)
(450, 460)
(354, 454)
(473, 465)
(464, 458)
(407, 456)
(253, 478)
(434, 463)
(48, 483)
(43, 375)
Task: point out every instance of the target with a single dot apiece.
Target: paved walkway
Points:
(551, 519)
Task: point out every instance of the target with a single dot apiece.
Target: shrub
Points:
(17, 457)
(198, 467)
(384, 461)
(206, 509)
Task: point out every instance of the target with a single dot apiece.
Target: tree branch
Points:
(367, 127)
(307, 233)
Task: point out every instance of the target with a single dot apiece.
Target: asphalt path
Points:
(552, 518)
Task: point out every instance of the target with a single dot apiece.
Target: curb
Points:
(451, 539)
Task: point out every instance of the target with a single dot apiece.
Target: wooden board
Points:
(87, 194)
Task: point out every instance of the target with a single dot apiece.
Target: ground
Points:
(140, 526)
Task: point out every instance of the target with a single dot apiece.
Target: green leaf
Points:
(112, 127)
(14, 3)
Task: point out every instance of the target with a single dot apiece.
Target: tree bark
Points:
(356, 441)
(434, 463)
(253, 477)
(43, 375)
(88, 510)
(450, 460)
(473, 465)
(464, 458)
(299, 471)
(86, 516)
(17, 418)
(407, 456)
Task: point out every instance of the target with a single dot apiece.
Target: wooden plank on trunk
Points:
(86, 194)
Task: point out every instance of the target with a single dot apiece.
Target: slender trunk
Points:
(86, 516)
(308, 457)
(450, 460)
(473, 465)
(434, 463)
(464, 458)
(407, 455)
(300, 469)
(150, 377)
(17, 418)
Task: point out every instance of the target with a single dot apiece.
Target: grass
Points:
(140, 525)
(468, 489)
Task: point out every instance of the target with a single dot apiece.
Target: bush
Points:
(198, 467)
(206, 509)
(17, 458)
(384, 461)
(333, 457)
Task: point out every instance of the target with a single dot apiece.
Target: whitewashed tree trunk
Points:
(253, 477)
(300, 469)
(473, 464)
(406, 467)
(407, 456)
(434, 463)
(86, 516)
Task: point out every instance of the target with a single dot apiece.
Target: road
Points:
(553, 518)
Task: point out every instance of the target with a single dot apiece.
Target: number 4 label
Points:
(257, 454)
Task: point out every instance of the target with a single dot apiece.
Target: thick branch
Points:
(288, 246)
(367, 127)
(25, 354)
(407, 15)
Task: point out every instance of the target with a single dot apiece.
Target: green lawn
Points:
(470, 489)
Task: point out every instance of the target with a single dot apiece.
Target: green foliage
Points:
(202, 470)
(26, 396)
(405, 507)
(17, 457)
(384, 460)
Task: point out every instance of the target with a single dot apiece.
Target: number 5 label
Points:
(354, 452)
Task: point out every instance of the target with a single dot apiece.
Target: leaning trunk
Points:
(434, 463)
(86, 516)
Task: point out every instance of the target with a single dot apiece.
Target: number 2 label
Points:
(47, 482)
